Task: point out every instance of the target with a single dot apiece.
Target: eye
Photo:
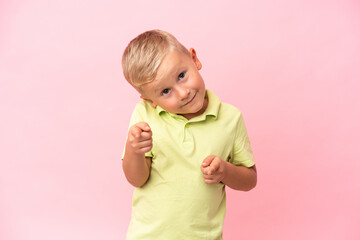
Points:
(165, 91)
(181, 76)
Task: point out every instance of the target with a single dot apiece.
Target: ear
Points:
(152, 104)
(195, 58)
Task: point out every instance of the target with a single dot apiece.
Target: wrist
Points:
(134, 156)
(226, 166)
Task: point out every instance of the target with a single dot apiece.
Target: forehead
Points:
(172, 62)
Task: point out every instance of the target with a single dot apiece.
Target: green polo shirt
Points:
(175, 202)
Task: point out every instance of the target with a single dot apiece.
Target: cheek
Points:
(198, 79)
(173, 104)
(200, 83)
(169, 104)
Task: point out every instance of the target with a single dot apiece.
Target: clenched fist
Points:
(213, 169)
(140, 138)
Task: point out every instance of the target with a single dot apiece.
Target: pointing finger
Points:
(138, 128)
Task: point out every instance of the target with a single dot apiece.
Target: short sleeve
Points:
(138, 115)
(242, 153)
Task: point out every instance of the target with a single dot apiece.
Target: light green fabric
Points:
(175, 203)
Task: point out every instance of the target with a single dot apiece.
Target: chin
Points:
(198, 109)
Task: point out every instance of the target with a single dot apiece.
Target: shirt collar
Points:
(211, 110)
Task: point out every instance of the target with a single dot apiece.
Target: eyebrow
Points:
(158, 89)
(159, 86)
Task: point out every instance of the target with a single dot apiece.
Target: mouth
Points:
(190, 100)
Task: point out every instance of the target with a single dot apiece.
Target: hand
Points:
(213, 169)
(140, 138)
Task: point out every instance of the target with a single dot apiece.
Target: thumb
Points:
(207, 161)
(143, 126)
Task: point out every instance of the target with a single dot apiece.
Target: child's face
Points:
(178, 87)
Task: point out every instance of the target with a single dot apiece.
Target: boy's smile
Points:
(178, 87)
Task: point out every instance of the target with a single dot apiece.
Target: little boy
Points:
(183, 145)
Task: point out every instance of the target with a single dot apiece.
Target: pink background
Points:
(292, 67)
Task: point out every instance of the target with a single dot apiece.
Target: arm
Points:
(240, 177)
(135, 165)
(216, 170)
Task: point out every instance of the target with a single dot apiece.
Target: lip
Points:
(190, 100)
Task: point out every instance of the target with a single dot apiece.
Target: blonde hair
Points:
(144, 54)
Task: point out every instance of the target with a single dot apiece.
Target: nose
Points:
(183, 93)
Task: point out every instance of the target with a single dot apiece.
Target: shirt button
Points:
(187, 125)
